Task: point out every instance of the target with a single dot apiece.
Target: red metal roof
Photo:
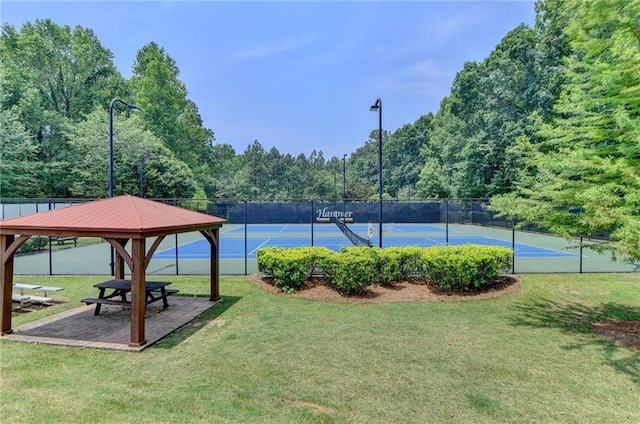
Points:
(122, 216)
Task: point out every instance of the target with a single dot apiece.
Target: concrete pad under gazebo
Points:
(117, 220)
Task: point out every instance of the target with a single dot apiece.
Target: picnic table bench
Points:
(62, 240)
(154, 291)
(32, 298)
(20, 299)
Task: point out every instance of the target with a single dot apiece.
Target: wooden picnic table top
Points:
(118, 284)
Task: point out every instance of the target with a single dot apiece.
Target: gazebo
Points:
(117, 220)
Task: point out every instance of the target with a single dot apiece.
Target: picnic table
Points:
(62, 240)
(154, 291)
(22, 298)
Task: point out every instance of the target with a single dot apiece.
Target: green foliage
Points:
(355, 268)
(18, 164)
(290, 268)
(388, 264)
(411, 260)
(584, 178)
(34, 244)
(351, 270)
(465, 267)
(165, 176)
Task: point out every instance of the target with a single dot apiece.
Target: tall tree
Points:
(53, 76)
(69, 70)
(587, 170)
(165, 176)
(18, 160)
(168, 113)
(401, 155)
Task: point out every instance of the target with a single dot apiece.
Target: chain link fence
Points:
(251, 224)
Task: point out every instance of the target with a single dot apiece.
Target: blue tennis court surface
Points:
(233, 244)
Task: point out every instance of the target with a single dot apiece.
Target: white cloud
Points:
(425, 77)
(269, 49)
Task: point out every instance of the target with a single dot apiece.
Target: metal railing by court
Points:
(254, 224)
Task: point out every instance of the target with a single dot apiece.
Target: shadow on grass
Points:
(201, 321)
(577, 318)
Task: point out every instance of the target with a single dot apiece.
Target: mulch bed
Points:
(403, 291)
(626, 333)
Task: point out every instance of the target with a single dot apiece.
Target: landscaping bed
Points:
(402, 291)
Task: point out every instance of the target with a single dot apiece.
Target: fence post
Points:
(513, 247)
(580, 254)
(311, 223)
(446, 220)
(245, 240)
(50, 249)
(177, 256)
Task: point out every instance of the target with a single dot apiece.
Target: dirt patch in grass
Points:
(403, 291)
(627, 333)
(31, 307)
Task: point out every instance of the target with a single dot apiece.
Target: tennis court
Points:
(236, 242)
(251, 225)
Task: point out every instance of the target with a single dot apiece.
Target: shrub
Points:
(412, 263)
(354, 268)
(33, 244)
(351, 270)
(464, 267)
(290, 268)
(388, 265)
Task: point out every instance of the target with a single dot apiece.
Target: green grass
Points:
(528, 357)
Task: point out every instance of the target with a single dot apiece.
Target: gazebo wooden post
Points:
(6, 281)
(138, 294)
(215, 265)
(119, 271)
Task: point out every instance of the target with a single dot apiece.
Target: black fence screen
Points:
(252, 225)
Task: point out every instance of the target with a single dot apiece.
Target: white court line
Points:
(534, 246)
(283, 228)
(254, 250)
(435, 241)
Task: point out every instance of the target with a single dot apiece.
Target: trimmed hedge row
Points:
(354, 268)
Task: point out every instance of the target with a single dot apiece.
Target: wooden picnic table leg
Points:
(98, 305)
(164, 297)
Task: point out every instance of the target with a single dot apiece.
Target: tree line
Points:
(547, 126)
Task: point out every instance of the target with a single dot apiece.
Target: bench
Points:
(22, 287)
(41, 299)
(62, 240)
(21, 299)
(46, 289)
(323, 219)
(105, 301)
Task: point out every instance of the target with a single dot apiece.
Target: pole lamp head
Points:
(376, 106)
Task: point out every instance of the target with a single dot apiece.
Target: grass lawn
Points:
(527, 357)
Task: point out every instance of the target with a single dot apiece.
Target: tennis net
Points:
(354, 237)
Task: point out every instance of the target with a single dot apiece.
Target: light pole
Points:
(142, 159)
(111, 171)
(344, 185)
(377, 106)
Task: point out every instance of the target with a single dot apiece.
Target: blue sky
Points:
(297, 75)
